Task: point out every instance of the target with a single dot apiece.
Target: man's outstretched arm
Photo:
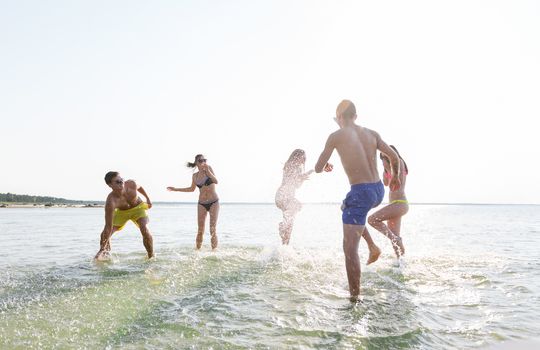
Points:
(395, 182)
(107, 230)
(322, 163)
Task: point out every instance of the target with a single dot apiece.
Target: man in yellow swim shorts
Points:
(122, 205)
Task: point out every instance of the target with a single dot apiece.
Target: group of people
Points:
(357, 147)
(124, 204)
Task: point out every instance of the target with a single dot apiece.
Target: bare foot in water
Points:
(373, 255)
(103, 255)
(398, 246)
(355, 299)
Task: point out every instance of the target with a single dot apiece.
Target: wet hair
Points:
(110, 175)
(399, 155)
(346, 108)
(294, 158)
(194, 164)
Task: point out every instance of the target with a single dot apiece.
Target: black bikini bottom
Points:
(207, 206)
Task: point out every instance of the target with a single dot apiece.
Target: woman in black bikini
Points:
(206, 181)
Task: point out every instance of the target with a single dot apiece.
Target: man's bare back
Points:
(357, 148)
(127, 199)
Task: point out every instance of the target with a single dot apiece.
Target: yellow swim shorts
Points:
(121, 217)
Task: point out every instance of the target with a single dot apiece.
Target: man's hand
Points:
(328, 167)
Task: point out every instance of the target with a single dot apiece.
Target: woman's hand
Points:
(171, 188)
(395, 183)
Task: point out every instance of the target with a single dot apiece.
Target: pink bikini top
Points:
(388, 176)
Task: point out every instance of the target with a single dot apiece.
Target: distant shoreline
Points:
(98, 204)
(49, 205)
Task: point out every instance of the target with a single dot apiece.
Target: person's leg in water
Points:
(374, 250)
(201, 218)
(351, 238)
(395, 226)
(285, 228)
(147, 236)
(282, 206)
(391, 211)
(284, 225)
(214, 213)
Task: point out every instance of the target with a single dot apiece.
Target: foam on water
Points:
(255, 295)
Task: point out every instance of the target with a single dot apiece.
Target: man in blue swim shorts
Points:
(357, 147)
(360, 200)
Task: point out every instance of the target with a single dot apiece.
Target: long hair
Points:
(295, 159)
(395, 150)
(192, 165)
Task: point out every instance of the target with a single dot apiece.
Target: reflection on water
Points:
(447, 293)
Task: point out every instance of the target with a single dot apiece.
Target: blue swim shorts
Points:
(361, 199)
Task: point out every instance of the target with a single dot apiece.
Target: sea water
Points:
(470, 279)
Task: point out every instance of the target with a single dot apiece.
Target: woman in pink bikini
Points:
(293, 177)
(398, 205)
(206, 181)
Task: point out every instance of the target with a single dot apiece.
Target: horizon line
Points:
(411, 203)
(85, 201)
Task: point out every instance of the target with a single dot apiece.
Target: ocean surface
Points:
(470, 279)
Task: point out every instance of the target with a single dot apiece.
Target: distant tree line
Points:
(24, 198)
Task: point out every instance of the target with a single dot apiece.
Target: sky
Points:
(141, 87)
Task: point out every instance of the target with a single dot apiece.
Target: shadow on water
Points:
(231, 299)
(207, 309)
(194, 313)
(253, 304)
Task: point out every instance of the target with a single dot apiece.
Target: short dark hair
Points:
(110, 175)
(346, 108)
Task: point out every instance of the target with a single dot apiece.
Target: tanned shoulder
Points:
(336, 135)
(110, 201)
(374, 134)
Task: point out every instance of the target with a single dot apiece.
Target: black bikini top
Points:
(206, 182)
